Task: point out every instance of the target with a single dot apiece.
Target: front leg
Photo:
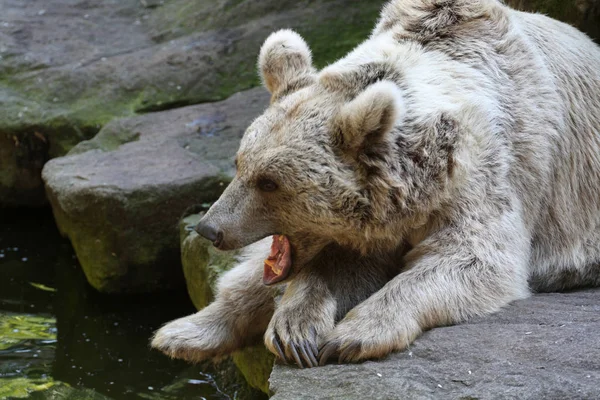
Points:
(473, 267)
(320, 295)
(238, 317)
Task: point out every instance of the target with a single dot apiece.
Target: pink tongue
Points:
(278, 265)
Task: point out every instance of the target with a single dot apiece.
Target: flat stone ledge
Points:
(545, 347)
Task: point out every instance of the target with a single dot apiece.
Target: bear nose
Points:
(210, 233)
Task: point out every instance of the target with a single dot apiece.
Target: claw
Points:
(277, 345)
(304, 355)
(313, 343)
(307, 354)
(348, 354)
(296, 356)
(315, 349)
(327, 351)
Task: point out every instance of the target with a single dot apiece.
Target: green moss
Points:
(246, 78)
(32, 105)
(105, 235)
(21, 388)
(18, 331)
(43, 389)
(110, 266)
(333, 38)
(256, 364)
(202, 264)
(330, 33)
(15, 329)
(198, 280)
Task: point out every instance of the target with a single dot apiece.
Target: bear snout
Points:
(210, 232)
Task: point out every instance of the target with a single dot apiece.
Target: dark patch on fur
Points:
(337, 137)
(294, 85)
(567, 280)
(448, 137)
(355, 81)
(440, 19)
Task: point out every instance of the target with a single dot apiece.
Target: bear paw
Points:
(367, 333)
(194, 338)
(294, 335)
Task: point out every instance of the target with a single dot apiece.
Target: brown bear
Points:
(447, 166)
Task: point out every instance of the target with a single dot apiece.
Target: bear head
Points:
(314, 167)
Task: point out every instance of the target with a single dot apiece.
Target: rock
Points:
(255, 363)
(583, 14)
(203, 265)
(69, 67)
(119, 197)
(545, 347)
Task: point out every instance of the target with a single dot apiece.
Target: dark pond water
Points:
(61, 339)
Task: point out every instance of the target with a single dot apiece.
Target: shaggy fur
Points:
(447, 166)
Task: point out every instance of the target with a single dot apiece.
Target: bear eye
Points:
(266, 185)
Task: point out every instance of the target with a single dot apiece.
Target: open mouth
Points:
(278, 265)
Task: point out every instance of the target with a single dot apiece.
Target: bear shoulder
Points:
(428, 17)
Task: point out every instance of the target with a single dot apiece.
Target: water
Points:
(61, 339)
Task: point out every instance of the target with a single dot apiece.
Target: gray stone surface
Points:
(67, 67)
(119, 197)
(546, 347)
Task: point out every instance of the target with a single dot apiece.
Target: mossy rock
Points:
(255, 363)
(203, 265)
(60, 86)
(119, 197)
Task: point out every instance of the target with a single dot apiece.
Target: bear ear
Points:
(368, 117)
(285, 63)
